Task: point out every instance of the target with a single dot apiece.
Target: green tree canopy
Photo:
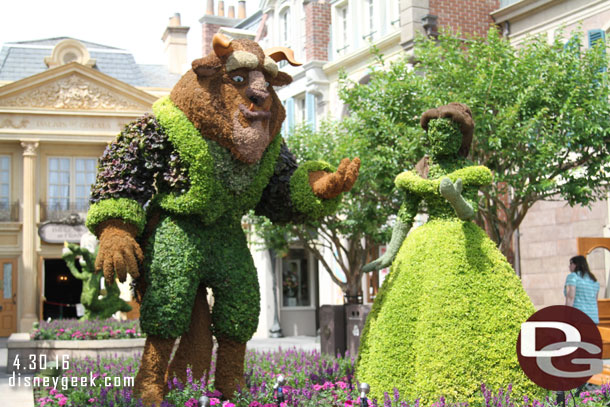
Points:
(542, 125)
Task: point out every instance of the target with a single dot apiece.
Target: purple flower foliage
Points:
(73, 329)
(311, 380)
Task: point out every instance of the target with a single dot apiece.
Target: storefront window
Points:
(296, 290)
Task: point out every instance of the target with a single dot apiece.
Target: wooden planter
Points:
(32, 355)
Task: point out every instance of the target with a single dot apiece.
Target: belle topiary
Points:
(96, 306)
(447, 316)
(168, 201)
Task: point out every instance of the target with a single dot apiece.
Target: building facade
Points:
(547, 237)
(62, 100)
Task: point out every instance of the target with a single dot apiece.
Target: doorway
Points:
(8, 296)
(298, 273)
(61, 290)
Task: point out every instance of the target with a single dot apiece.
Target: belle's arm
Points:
(404, 221)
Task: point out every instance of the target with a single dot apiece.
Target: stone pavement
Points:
(19, 396)
(12, 395)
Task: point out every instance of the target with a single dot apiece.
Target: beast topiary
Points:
(447, 316)
(168, 201)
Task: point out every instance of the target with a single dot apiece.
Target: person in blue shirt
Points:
(581, 288)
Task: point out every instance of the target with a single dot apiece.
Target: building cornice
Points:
(519, 8)
(217, 20)
(362, 54)
(570, 17)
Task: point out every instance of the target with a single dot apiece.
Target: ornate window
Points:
(67, 51)
(69, 185)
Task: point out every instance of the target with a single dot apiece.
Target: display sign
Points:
(61, 232)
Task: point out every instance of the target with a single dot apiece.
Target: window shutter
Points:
(571, 45)
(596, 36)
(289, 115)
(310, 102)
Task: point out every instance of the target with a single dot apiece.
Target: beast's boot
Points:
(150, 380)
(230, 367)
(195, 347)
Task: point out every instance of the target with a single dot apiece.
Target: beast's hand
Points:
(118, 250)
(329, 185)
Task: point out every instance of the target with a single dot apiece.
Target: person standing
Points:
(581, 288)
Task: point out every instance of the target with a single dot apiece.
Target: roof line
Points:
(110, 51)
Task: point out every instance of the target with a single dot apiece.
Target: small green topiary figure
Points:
(447, 317)
(95, 307)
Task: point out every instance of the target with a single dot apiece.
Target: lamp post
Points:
(204, 401)
(280, 391)
(364, 390)
(276, 329)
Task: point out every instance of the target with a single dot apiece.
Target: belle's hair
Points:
(582, 267)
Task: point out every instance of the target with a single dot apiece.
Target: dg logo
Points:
(559, 348)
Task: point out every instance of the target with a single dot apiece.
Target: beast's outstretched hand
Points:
(118, 250)
(329, 185)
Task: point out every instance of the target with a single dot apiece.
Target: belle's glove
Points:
(453, 193)
(329, 185)
(118, 250)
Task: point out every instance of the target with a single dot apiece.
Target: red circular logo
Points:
(559, 348)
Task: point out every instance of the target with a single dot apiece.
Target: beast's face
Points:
(229, 96)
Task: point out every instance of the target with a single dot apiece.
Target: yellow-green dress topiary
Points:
(447, 316)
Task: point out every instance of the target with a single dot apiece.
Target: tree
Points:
(357, 220)
(541, 112)
(542, 119)
(542, 125)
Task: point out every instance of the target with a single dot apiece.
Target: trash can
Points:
(355, 317)
(332, 329)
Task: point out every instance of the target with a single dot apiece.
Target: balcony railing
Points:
(60, 210)
(9, 212)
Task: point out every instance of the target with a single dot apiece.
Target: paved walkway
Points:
(13, 395)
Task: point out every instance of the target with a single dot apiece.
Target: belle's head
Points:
(449, 130)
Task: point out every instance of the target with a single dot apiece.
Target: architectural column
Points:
(28, 281)
(411, 14)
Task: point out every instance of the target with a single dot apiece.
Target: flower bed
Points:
(311, 380)
(73, 329)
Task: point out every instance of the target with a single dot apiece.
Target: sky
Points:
(134, 25)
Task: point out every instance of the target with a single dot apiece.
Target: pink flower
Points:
(59, 395)
(341, 385)
(92, 400)
(63, 401)
(255, 404)
(214, 401)
(228, 404)
(192, 402)
(53, 392)
(317, 387)
(348, 403)
(327, 385)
